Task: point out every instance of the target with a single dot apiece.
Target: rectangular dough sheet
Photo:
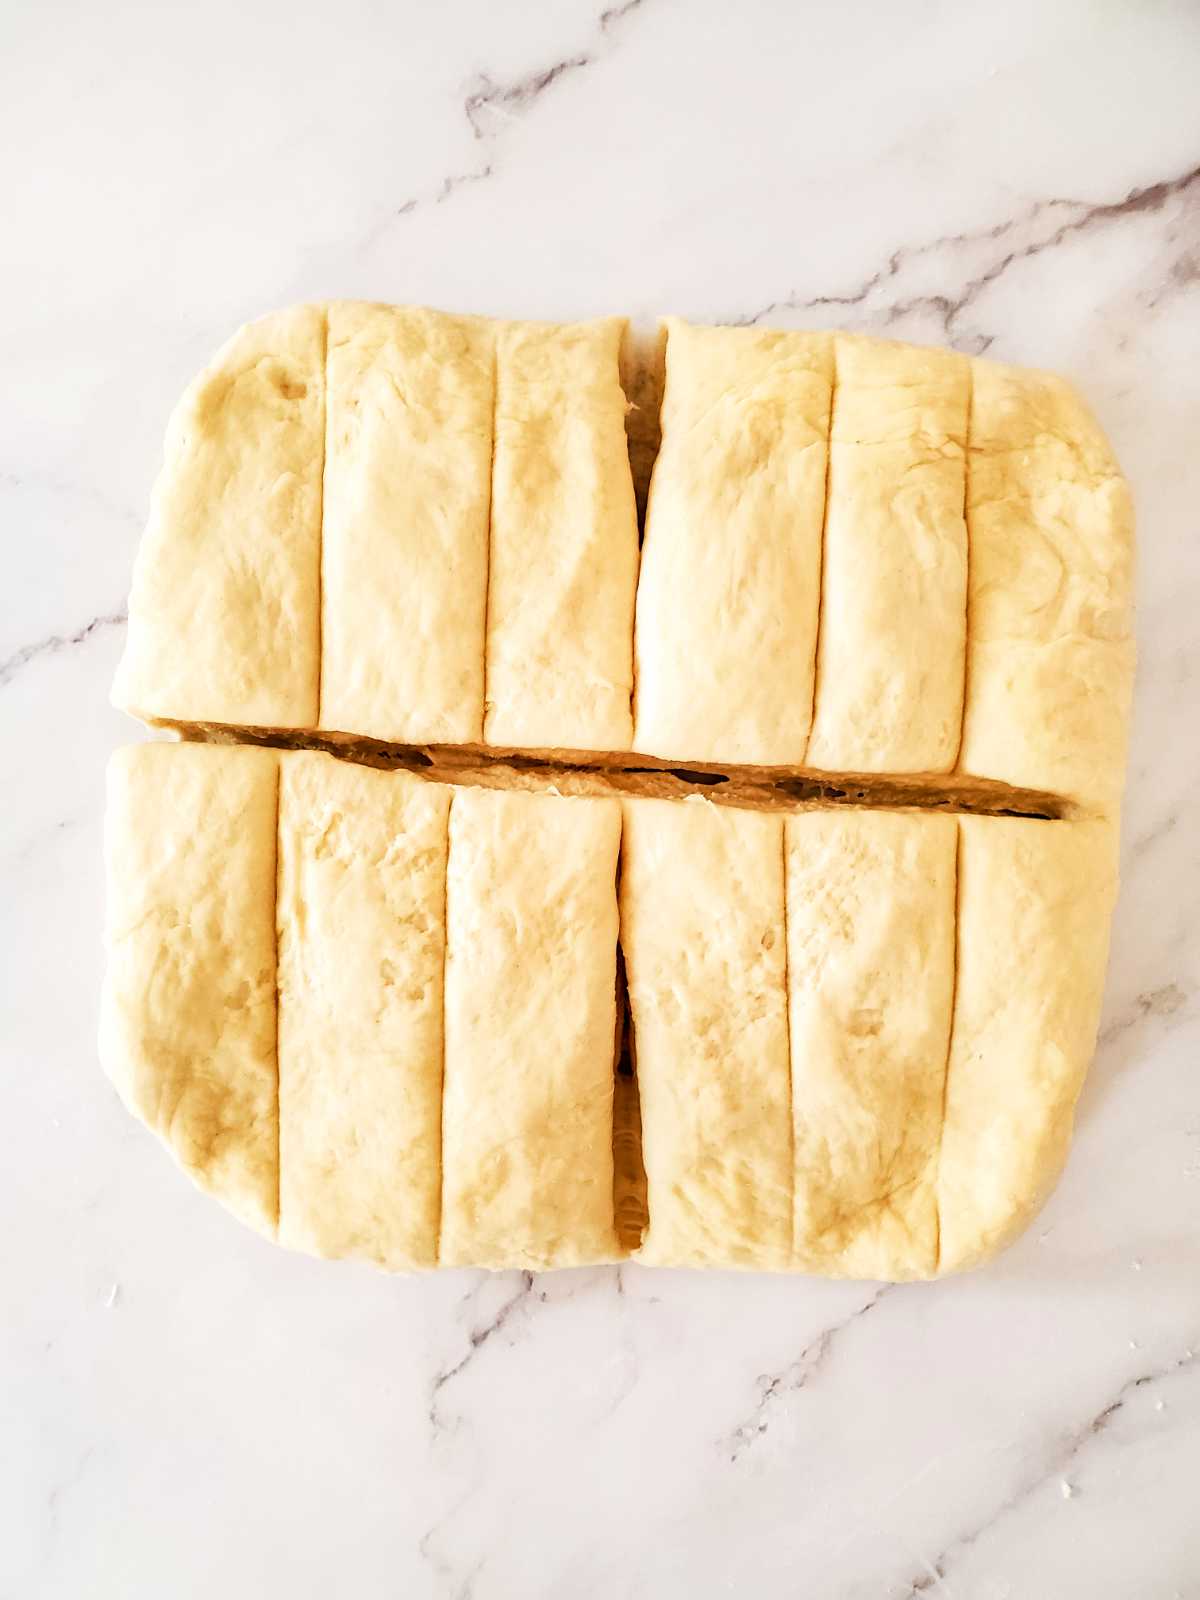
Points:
(530, 1006)
(187, 1021)
(728, 597)
(890, 660)
(1050, 643)
(407, 493)
(564, 542)
(1035, 901)
(870, 946)
(224, 621)
(703, 939)
(361, 919)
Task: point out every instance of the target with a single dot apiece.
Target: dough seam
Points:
(441, 1185)
(631, 1213)
(630, 1204)
(321, 514)
(956, 764)
(791, 1092)
(937, 1165)
(487, 570)
(659, 381)
(278, 1075)
(816, 671)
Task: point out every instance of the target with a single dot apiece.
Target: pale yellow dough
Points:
(531, 945)
(1035, 899)
(362, 885)
(834, 1075)
(870, 946)
(728, 596)
(1050, 643)
(377, 1015)
(405, 557)
(564, 542)
(187, 1021)
(224, 620)
(889, 693)
(703, 937)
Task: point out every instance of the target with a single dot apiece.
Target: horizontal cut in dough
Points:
(1050, 644)
(224, 612)
(187, 1023)
(530, 1008)
(564, 542)
(870, 926)
(728, 596)
(362, 887)
(703, 939)
(407, 490)
(890, 659)
(1035, 899)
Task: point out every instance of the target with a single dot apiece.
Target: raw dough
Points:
(801, 603)
(187, 1020)
(405, 550)
(726, 632)
(1050, 646)
(889, 692)
(531, 949)
(564, 542)
(224, 621)
(361, 919)
(858, 1035)
(1035, 901)
(870, 944)
(446, 980)
(703, 937)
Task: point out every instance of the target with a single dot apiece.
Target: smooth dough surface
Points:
(1050, 645)
(870, 945)
(889, 688)
(187, 1022)
(362, 883)
(527, 1114)
(1035, 899)
(703, 937)
(728, 597)
(564, 542)
(407, 491)
(224, 621)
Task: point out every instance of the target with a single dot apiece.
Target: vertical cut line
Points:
(937, 1170)
(441, 1189)
(487, 565)
(630, 1210)
(278, 1005)
(787, 1018)
(619, 1040)
(956, 765)
(652, 384)
(816, 674)
(321, 514)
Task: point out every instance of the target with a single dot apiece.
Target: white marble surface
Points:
(188, 1412)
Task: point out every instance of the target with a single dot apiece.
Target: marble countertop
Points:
(189, 1412)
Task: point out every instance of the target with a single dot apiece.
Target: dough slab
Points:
(860, 558)
(564, 542)
(500, 985)
(729, 593)
(230, 560)
(376, 1015)
(404, 568)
